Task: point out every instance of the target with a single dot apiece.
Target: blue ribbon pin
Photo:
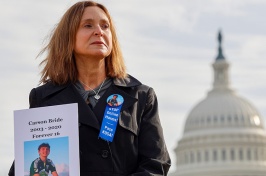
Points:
(111, 116)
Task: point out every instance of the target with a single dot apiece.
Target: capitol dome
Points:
(222, 109)
(224, 134)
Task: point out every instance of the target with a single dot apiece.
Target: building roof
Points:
(222, 107)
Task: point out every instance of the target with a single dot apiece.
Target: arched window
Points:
(186, 158)
(222, 119)
(198, 157)
(208, 120)
(236, 118)
(191, 157)
(214, 155)
(206, 156)
(232, 154)
(215, 119)
(249, 154)
(223, 154)
(256, 155)
(229, 118)
(240, 154)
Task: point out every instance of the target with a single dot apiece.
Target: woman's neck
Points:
(91, 72)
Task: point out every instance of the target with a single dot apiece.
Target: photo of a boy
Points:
(43, 165)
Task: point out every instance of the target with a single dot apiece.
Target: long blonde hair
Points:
(59, 64)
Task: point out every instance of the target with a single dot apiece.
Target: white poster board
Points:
(53, 125)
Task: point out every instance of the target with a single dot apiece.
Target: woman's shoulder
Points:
(129, 81)
(47, 88)
(132, 83)
(50, 85)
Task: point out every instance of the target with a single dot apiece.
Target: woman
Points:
(84, 65)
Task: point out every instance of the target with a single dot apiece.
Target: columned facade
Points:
(224, 134)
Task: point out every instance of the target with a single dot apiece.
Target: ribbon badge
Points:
(110, 117)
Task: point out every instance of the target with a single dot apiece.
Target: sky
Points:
(168, 45)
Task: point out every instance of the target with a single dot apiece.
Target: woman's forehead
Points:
(94, 13)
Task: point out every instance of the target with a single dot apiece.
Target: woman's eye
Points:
(105, 26)
(88, 25)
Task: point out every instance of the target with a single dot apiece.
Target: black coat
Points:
(138, 147)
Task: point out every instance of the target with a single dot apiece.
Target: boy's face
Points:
(44, 151)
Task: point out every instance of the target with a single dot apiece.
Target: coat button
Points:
(105, 154)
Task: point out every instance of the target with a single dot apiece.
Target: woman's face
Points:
(94, 37)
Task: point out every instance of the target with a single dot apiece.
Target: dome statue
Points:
(224, 133)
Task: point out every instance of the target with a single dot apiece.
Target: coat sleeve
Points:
(12, 170)
(153, 155)
(32, 98)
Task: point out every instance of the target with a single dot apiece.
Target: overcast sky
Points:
(167, 44)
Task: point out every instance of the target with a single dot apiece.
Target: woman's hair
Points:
(59, 64)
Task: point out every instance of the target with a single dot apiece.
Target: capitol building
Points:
(224, 134)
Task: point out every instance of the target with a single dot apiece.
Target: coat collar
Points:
(93, 117)
(130, 81)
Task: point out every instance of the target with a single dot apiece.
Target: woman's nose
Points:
(98, 31)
